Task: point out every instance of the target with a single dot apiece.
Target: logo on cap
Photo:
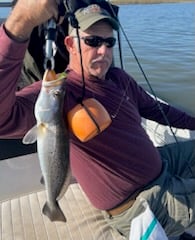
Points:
(93, 8)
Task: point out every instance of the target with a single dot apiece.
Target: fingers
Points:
(28, 14)
(37, 11)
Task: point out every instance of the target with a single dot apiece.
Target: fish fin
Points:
(54, 214)
(42, 181)
(65, 185)
(31, 136)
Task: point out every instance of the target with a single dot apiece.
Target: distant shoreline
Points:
(118, 2)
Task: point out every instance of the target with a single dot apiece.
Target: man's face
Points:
(96, 60)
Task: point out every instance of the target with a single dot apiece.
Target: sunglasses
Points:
(96, 41)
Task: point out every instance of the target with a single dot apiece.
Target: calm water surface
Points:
(163, 38)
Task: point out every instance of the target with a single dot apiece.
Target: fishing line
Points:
(145, 77)
(120, 50)
(150, 87)
(74, 23)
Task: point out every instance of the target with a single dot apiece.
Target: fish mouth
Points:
(44, 109)
(55, 82)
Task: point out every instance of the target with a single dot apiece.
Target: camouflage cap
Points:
(90, 15)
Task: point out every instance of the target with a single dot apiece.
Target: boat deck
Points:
(21, 201)
(22, 197)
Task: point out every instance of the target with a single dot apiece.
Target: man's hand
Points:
(27, 14)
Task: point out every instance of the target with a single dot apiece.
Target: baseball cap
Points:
(91, 14)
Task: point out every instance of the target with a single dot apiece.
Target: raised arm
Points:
(16, 108)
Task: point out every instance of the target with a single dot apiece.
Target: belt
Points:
(124, 205)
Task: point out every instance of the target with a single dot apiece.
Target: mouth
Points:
(100, 63)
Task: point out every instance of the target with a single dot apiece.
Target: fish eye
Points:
(55, 93)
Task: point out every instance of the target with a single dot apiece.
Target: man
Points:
(119, 166)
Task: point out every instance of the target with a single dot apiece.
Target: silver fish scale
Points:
(53, 149)
(52, 138)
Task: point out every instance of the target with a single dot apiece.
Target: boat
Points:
(22, 197)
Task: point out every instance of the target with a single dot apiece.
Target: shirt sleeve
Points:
(161, 112)
(152, 109)
(16, 108)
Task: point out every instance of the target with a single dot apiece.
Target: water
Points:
(163, 38)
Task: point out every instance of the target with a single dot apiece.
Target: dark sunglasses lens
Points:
(95, 41)
(110, 42)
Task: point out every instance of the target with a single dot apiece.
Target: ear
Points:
(70, 44)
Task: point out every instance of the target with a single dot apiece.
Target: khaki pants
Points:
(171, 196)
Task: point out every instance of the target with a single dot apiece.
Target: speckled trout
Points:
(52, 139)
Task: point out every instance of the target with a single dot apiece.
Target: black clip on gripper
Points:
(50, 39)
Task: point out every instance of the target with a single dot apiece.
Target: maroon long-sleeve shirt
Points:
(119, 160)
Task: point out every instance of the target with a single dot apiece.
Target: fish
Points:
(51, 134)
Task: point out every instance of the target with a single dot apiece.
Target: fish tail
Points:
(55, 213)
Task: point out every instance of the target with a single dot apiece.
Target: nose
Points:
(103, 49)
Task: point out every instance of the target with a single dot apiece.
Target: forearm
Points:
(16, 29)
(11, 58)
(179, 119)
(166, 114)
(163, 113)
